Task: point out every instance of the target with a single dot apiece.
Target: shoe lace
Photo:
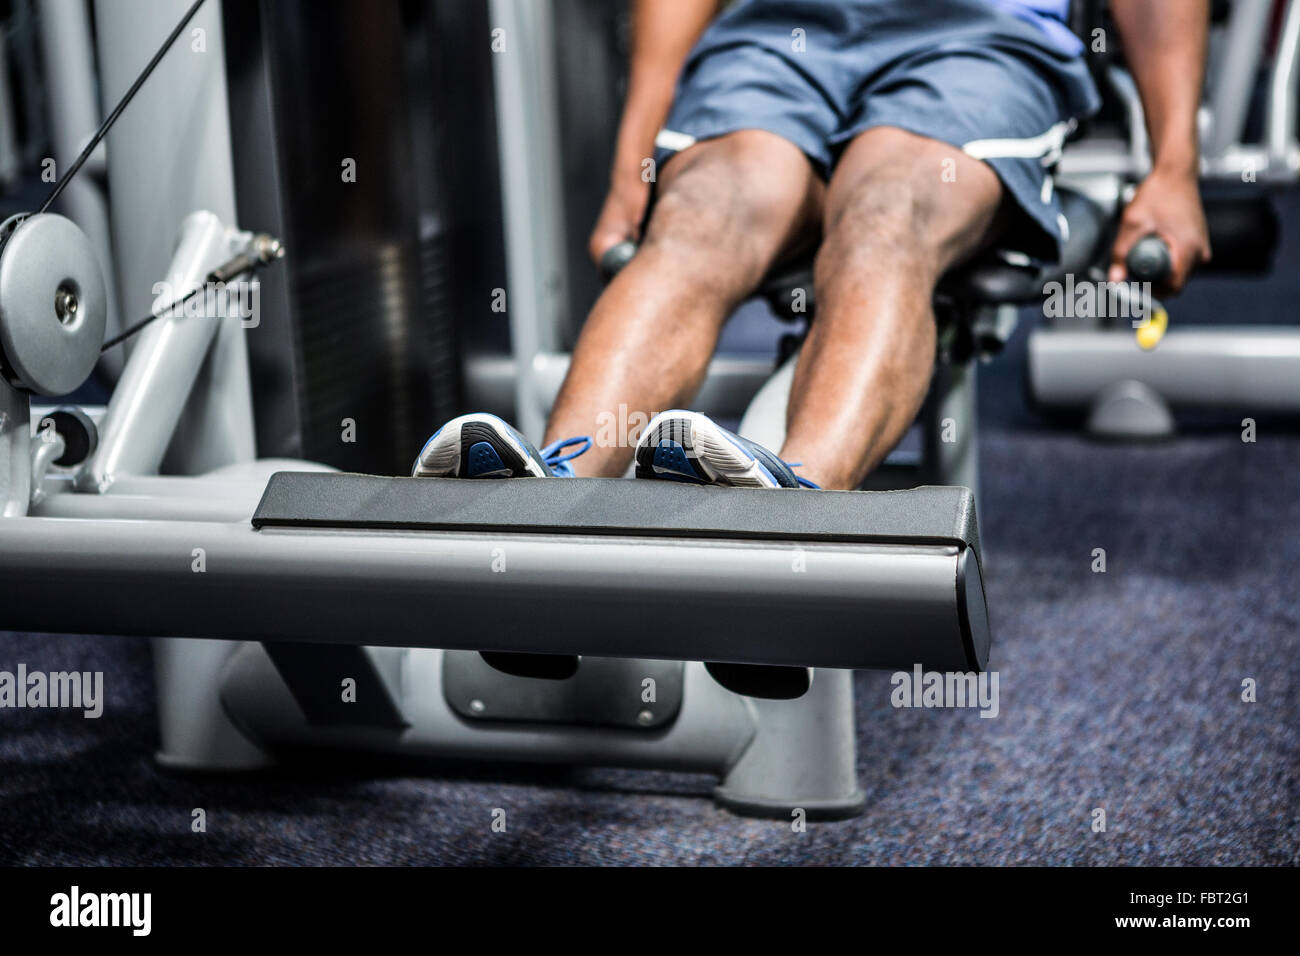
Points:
(803, 482)
(551, 453)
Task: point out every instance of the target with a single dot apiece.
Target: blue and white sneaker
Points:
(480, 445)
(687, 446)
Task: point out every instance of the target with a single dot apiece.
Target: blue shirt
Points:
(1050, 16)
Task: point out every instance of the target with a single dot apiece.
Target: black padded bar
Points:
(928, 515)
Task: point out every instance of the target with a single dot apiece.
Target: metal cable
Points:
(117, 110)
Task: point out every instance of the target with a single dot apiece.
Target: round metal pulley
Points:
(53, 304)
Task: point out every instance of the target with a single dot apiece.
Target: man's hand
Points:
(662, 35)
(620, 217)
(1164, 43)
(1168, 205)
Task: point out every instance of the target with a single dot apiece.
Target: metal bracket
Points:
(605, 692)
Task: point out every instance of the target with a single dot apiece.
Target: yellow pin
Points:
(1150, 333)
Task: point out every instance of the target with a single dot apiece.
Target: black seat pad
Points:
(989, 279)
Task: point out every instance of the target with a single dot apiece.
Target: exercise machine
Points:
(297, 608)
(291, 580)
(336, 610)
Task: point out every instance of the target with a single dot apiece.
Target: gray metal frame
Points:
(532, 189)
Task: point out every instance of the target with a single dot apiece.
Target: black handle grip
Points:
(616, 257)
(1149, 260)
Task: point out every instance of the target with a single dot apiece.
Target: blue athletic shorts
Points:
(969, 73)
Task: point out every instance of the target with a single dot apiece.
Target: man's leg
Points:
(900, 210)
(727, 209)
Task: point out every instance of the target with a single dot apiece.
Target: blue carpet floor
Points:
(1118, 690)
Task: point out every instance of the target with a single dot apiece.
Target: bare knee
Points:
(889, 210)
(728, 208)
(911, 199)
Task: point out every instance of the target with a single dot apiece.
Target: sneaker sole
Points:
(713, 458)
(443, 454)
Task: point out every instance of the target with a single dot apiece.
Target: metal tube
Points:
(950, 453)
(1139, 150)
(731, 383)
(532, 189)
(15, 451)
(10, 157)
(156, 382)
(49, 447)
(160, 499)
(1253, 366)
(229, 494)
(68, 53)
(1236, 72)
(805, 603)
(1285, 76)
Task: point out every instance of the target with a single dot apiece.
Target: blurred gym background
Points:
(382, 312)
(385, 299)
